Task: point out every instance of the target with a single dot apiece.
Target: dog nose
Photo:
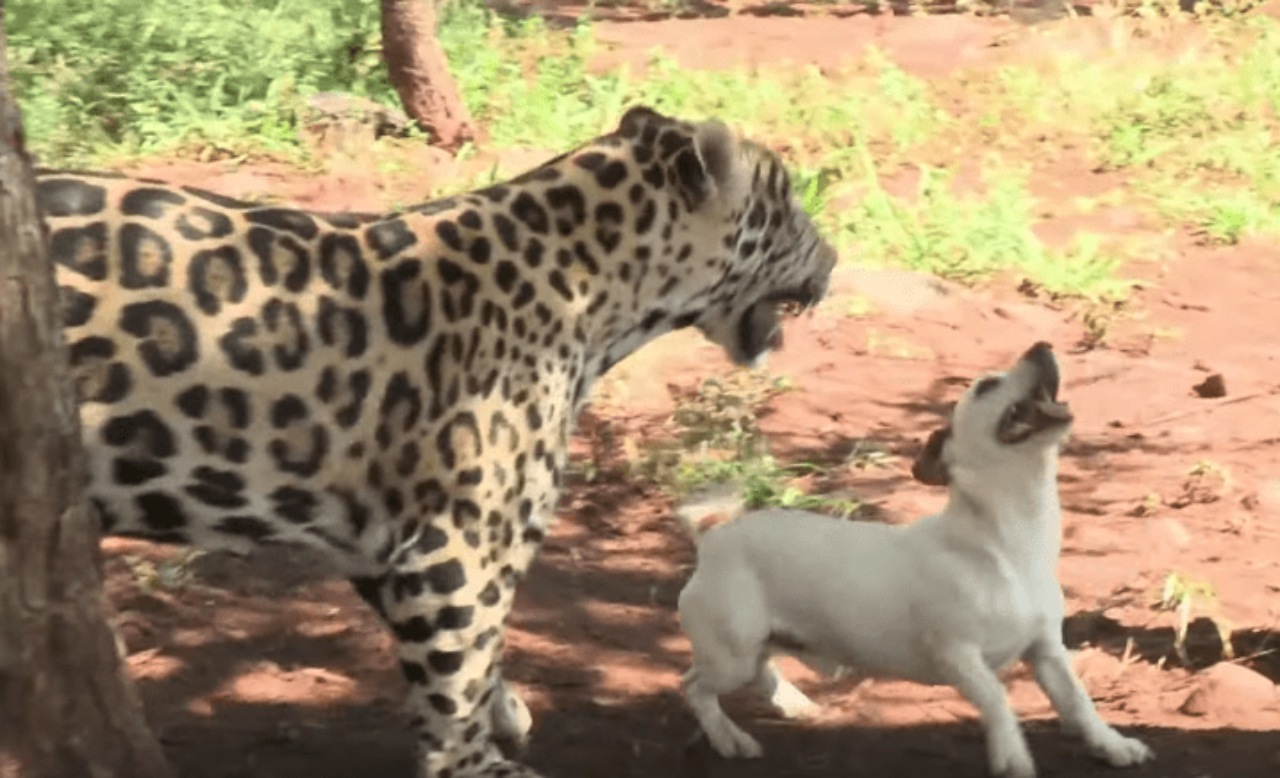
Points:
(1039, 351)
(1041, 356)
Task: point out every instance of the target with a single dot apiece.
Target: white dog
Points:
(950, 599)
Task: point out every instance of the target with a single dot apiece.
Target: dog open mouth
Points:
(1041, 410)
(760, 328)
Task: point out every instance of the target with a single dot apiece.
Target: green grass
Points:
(966, 236)
(760, 482)
(97, 78)
(101, 80)
(1194, 133)
(1201, 136)
(717, 440)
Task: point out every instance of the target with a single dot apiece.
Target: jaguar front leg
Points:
(449, 621)
(512, 720)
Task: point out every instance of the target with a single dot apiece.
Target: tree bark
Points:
(420, 73)
(67, 709)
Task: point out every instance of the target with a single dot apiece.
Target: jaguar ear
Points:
(931, 467)
(707, 166)
(636, 117)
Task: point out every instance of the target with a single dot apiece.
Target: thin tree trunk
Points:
(67, 710)
(420, 72)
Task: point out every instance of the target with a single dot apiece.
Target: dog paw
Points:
(1120, 751)
(1013, 762)
(731, 742)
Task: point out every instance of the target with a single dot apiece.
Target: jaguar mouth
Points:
(1040, 410)
(760, 328)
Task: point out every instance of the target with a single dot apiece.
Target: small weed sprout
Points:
(166, 575)
(718, 441)
(1206, 482)
(1185, 596)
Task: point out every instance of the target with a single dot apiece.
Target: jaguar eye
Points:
(791, 308)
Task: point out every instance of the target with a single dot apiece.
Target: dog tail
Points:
(707, 509)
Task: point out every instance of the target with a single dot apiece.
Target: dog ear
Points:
(929, 468)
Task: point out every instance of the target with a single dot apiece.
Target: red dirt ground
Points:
(256, 668)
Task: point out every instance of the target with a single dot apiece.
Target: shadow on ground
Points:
(651, 738)
(1256, 648)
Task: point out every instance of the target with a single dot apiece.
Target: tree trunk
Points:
(420, 72)
(67, 710)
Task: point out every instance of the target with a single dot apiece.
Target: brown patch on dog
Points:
(708, 508)
(929, 467)
(713, 519)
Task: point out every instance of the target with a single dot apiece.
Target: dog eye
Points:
(985, 385)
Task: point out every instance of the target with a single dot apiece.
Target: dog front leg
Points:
(964, 668)
(702, 689)
(1052, 665)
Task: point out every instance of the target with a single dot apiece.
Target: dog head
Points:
(1003, 421)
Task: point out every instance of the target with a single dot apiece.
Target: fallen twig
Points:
(1205, 408)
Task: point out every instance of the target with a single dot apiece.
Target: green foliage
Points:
(102, 78)
(1189, 122)
(97, 77)
(718, 441)
(116, 74)
(527, 84)
(1195, 132)
(969, 237)
(761, 482)
(964, 235)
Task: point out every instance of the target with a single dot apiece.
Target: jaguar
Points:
(397, 391)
